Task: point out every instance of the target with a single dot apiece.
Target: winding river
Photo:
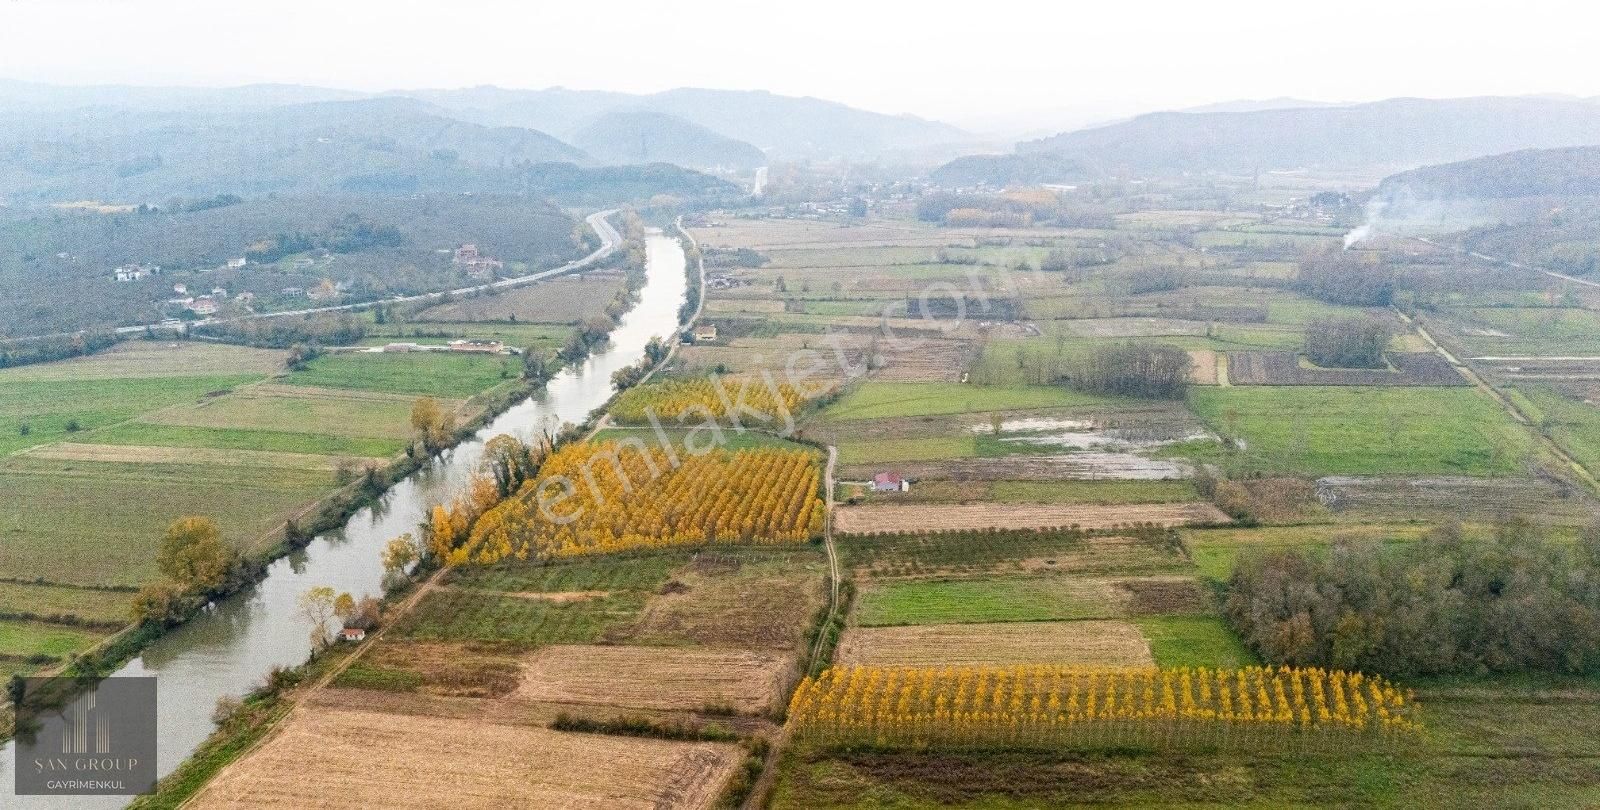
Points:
(228, 650)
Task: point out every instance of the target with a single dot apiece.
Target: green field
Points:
(474, 615)
(922, 449)
(47, 407)
(876, 400)
(969, 601)
(961, 552)
(94, 523)
(310, 411)
(600, 574)
(90, 604)
(1194, 641)
(1549, 331)
(439, 374)
(67, 522)
(1313, 430)
(732, 440)
(23, 638)
(1571, 424)
(144, 433)
(1215, 551)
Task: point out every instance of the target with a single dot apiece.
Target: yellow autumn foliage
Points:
(1070, 706)
(595, 498)
(691, 402)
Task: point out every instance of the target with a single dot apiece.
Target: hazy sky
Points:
(969, 62)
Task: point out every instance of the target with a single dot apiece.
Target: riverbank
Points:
(326, 514)
(265, 630)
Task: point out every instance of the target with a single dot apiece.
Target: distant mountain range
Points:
(786, 127)
(1383, 136)
(145, 144)
(641, 136)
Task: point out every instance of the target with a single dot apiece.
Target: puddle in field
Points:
(1033, 424)
(1093, 465)
(1085, 434)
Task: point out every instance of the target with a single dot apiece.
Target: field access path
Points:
(1504, 401)
(833, 554)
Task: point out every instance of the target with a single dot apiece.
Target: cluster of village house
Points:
(207, 304)
(476, 265)
(468, 259)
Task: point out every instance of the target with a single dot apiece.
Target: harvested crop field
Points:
(301, 410)
(1490, 499)
(137, 454)
(655, 677)
(1284, 368)
(569, 299)
(720, 601)
(147, 358)
(1204, 370)
(327, 759)
(446, 669)
(1085, 643)
(928, 361)
(920, 517)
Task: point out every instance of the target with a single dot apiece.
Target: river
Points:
(228, 650)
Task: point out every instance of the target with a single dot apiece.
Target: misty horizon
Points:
(980, 72)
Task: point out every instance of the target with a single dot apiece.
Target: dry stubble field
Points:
(655, 677)
(345, 758)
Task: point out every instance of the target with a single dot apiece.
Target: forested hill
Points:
(56, 264)
(371, 145)
(1569, 172)
(1394, 134)
(642, 136)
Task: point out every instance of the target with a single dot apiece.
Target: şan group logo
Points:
(103, 741)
